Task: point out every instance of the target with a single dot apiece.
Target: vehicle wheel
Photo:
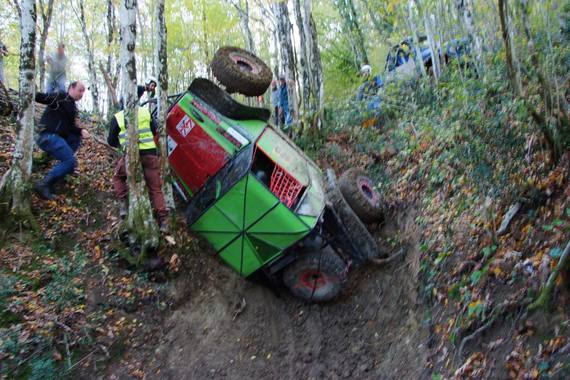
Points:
(358, 190)
(240, 71)
(316, 276)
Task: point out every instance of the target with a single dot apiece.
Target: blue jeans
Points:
(63, 150)
(56, 85)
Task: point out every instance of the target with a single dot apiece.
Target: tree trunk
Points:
(553, 126)
(143, 45)
(543, 301)
(91, 67)
(111, 90)
(2, 52)
(287, 64)
(161, 63)
(14, 194)
(46, 13)
(349, 17)
(111, 94)
(305, 89)
(465, 10)
(436, 64)
(269, 16)
(508, 49)
(416, 38)
(315, 67)
(17, 8)
(243, 14)
(382, 28)
(204, 41)
(140, 221)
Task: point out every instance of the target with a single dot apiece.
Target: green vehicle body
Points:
(262, 204)
(247, 223)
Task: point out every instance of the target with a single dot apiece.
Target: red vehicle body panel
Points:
(197, 156)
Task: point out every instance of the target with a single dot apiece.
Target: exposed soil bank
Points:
(373, 331)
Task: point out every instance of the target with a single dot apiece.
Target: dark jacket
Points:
(141, 90)
(59, 115)
(114, 131)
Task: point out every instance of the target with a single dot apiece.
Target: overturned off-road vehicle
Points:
(262, 204)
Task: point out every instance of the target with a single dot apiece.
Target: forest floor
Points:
(69, 305)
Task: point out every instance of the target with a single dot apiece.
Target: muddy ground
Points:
(224, 327)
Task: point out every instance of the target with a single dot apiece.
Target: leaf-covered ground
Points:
(67, 298)
(69, 305)
(462, 159)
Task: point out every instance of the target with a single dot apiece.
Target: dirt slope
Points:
(373, 331)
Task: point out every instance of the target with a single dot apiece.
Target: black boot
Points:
(42, 188)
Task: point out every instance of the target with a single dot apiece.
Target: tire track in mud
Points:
(373, 331)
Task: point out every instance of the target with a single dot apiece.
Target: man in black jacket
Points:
(60, 136)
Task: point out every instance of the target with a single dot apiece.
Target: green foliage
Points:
(6, 291)
(43, 368)
(475, 310)
(28, 355)
(22, 355)
(64, 289)
(555, 252)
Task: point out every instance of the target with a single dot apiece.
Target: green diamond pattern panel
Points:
(249, 227)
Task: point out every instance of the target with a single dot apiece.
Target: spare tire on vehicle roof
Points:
(241, 71)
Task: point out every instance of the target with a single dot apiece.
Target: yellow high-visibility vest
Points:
(146, 140)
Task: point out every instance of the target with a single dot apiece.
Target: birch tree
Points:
(46, 11)
(305, 91)
(287, 55)
(3, 52)
(110, 19)
(140, 221)
(14, 194)
(347, 11)
(311, 64)
(555, 124)
(269, 23)
(382, 27)
(161, 63)
(243, 14)
(434, 52)
(91, 67)
(204, 41)
(412, 14)
(512, 72)
(141, 36)
(465, 10)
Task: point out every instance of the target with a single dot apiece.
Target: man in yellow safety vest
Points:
(149, 160)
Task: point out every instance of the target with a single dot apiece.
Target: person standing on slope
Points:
(149, 159)
(60, 136)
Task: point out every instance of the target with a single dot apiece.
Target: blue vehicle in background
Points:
(400, 66)
(400, 62)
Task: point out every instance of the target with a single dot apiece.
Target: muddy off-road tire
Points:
(358, 190)
(356, 234)
(316, 276)
(240, 71)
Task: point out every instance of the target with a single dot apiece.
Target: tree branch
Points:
(17, 7)
(110, 85)
(543, 299)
